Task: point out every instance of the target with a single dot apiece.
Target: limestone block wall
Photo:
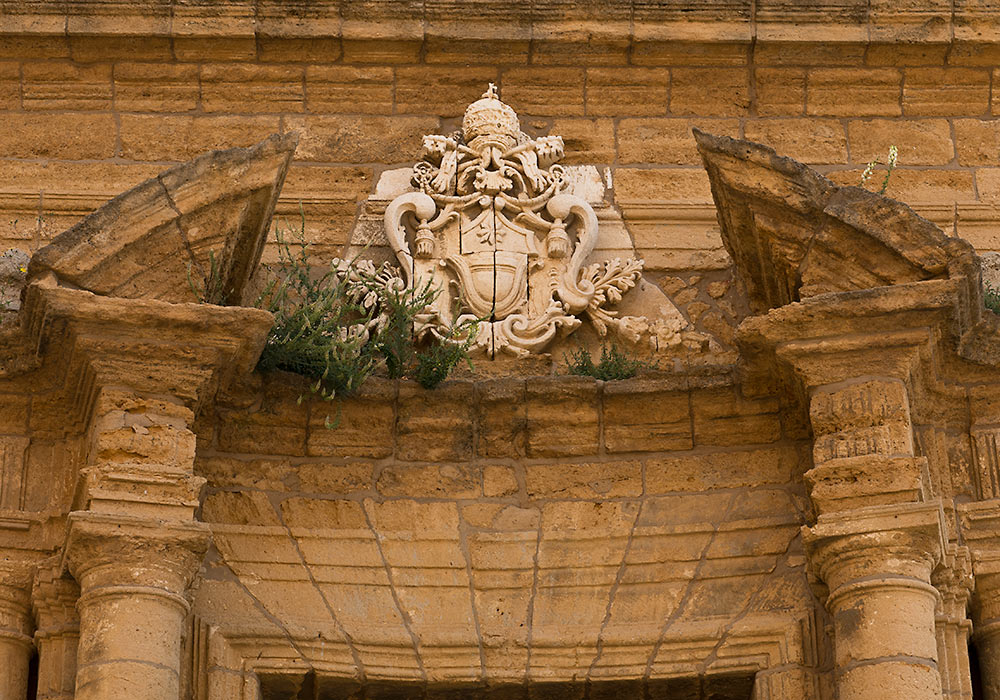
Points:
(95, 99)
(552, 529)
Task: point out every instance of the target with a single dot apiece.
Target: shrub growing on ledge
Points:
(991, 297)
(335, 327)
(614, 364)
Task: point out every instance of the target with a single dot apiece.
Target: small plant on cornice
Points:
(431, 361)
(614, 364)
(435, 363)
(335, 325)
(991, 297)
(323, 322)
(211, 287)
(890, 165)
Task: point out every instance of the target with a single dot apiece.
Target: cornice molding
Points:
(721, 21)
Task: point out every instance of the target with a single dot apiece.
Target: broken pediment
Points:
(213, 211)
(794, 234)
(820, 261)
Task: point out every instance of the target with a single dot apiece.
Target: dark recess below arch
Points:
(313, 687)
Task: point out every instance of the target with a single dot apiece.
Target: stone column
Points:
(133, 575)
(980, 523)
(986, 630)
(878, 566)
(876, 541)
(953, 579)
(877, 563)
(133, 543)
(15, 627)
(57, 633)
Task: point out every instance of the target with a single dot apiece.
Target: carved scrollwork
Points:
(493, 226)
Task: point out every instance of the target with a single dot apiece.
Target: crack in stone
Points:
(613, 592)
(259, 605)
(688, 589)
(403, 614)
(463, 529)
(780, 563)
(359, 664)
(531, 604)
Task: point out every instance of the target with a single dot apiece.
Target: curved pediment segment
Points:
(145, 243)
(794, 234)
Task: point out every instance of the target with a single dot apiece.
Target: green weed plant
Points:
(335, 325)
(890, 165)
(613, 364)
(991, 297)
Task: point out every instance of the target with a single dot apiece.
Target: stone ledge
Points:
(405, 31)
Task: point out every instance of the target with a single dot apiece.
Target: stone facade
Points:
(801, 503)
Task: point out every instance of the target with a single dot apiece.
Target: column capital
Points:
(108, 550)
(111, 341)
(15, 602)
(902, 541)
(53, 599)
(953, 579)
(980, 525)
(134, 573)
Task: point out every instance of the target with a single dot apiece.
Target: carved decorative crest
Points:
(494, 227)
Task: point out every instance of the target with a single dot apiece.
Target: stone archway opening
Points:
(312, 686)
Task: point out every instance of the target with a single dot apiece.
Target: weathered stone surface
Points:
(594, 480)
(156, 87)
(65, 86)
(924, 142)
(903, 247)
(945, 91)
(722, 469)
(710, 91)
(161, 228)
(349, 88)
(561, 417)
(807, 140)
(646, 416)
(841, 92)
(517, 536)
(13, 276)
(146, 137)
(664, 141)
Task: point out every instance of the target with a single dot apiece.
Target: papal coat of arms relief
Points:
(492, 221)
